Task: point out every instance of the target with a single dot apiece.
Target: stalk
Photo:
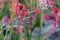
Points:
(30, 5)
(41, 24)
(58, 3)
(2, 36)
(21, 38)
(12, 19)
(26, 1)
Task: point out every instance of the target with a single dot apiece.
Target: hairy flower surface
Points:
(36, 10)
(55, 10)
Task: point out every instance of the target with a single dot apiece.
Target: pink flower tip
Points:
(5, 19)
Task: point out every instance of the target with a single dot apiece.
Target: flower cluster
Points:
(51, 2)
(17, 7)
(36, 10)
(24, 10)
(55, 13)
(55, 10)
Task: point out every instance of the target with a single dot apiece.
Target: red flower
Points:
(24, 11)
(23, 14)
(36, 10)
(18, 29)
(1, 2)
(55, 26)
(17, 7)
(31, 17)
(24, 8)
(55, 10)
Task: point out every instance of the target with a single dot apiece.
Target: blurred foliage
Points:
(58, 3)
(6, 9)
(1, 14)
(27, 33)
(36, 22)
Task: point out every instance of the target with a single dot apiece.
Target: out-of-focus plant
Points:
(32, 9)
(1, 16)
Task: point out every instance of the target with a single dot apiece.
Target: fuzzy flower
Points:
(36, 10)
(47, 17)
(1, 2)
(5, 19)
(31, 17)
(17, 7)
(24, 12)
(19, 29)
(55, 10)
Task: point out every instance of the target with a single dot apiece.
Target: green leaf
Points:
(37, 21)
(1, 14)
(27, 33)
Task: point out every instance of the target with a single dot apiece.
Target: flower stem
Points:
(2, 36)
(12, 19)
(20, 38)
(41, 24)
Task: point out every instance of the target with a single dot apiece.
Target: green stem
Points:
(59, 3)
(26, 1)
(41, 23)
(38, 3)
(11, 29)
(21, 36)
(1, 26)
(30, 5)
(12, 19)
